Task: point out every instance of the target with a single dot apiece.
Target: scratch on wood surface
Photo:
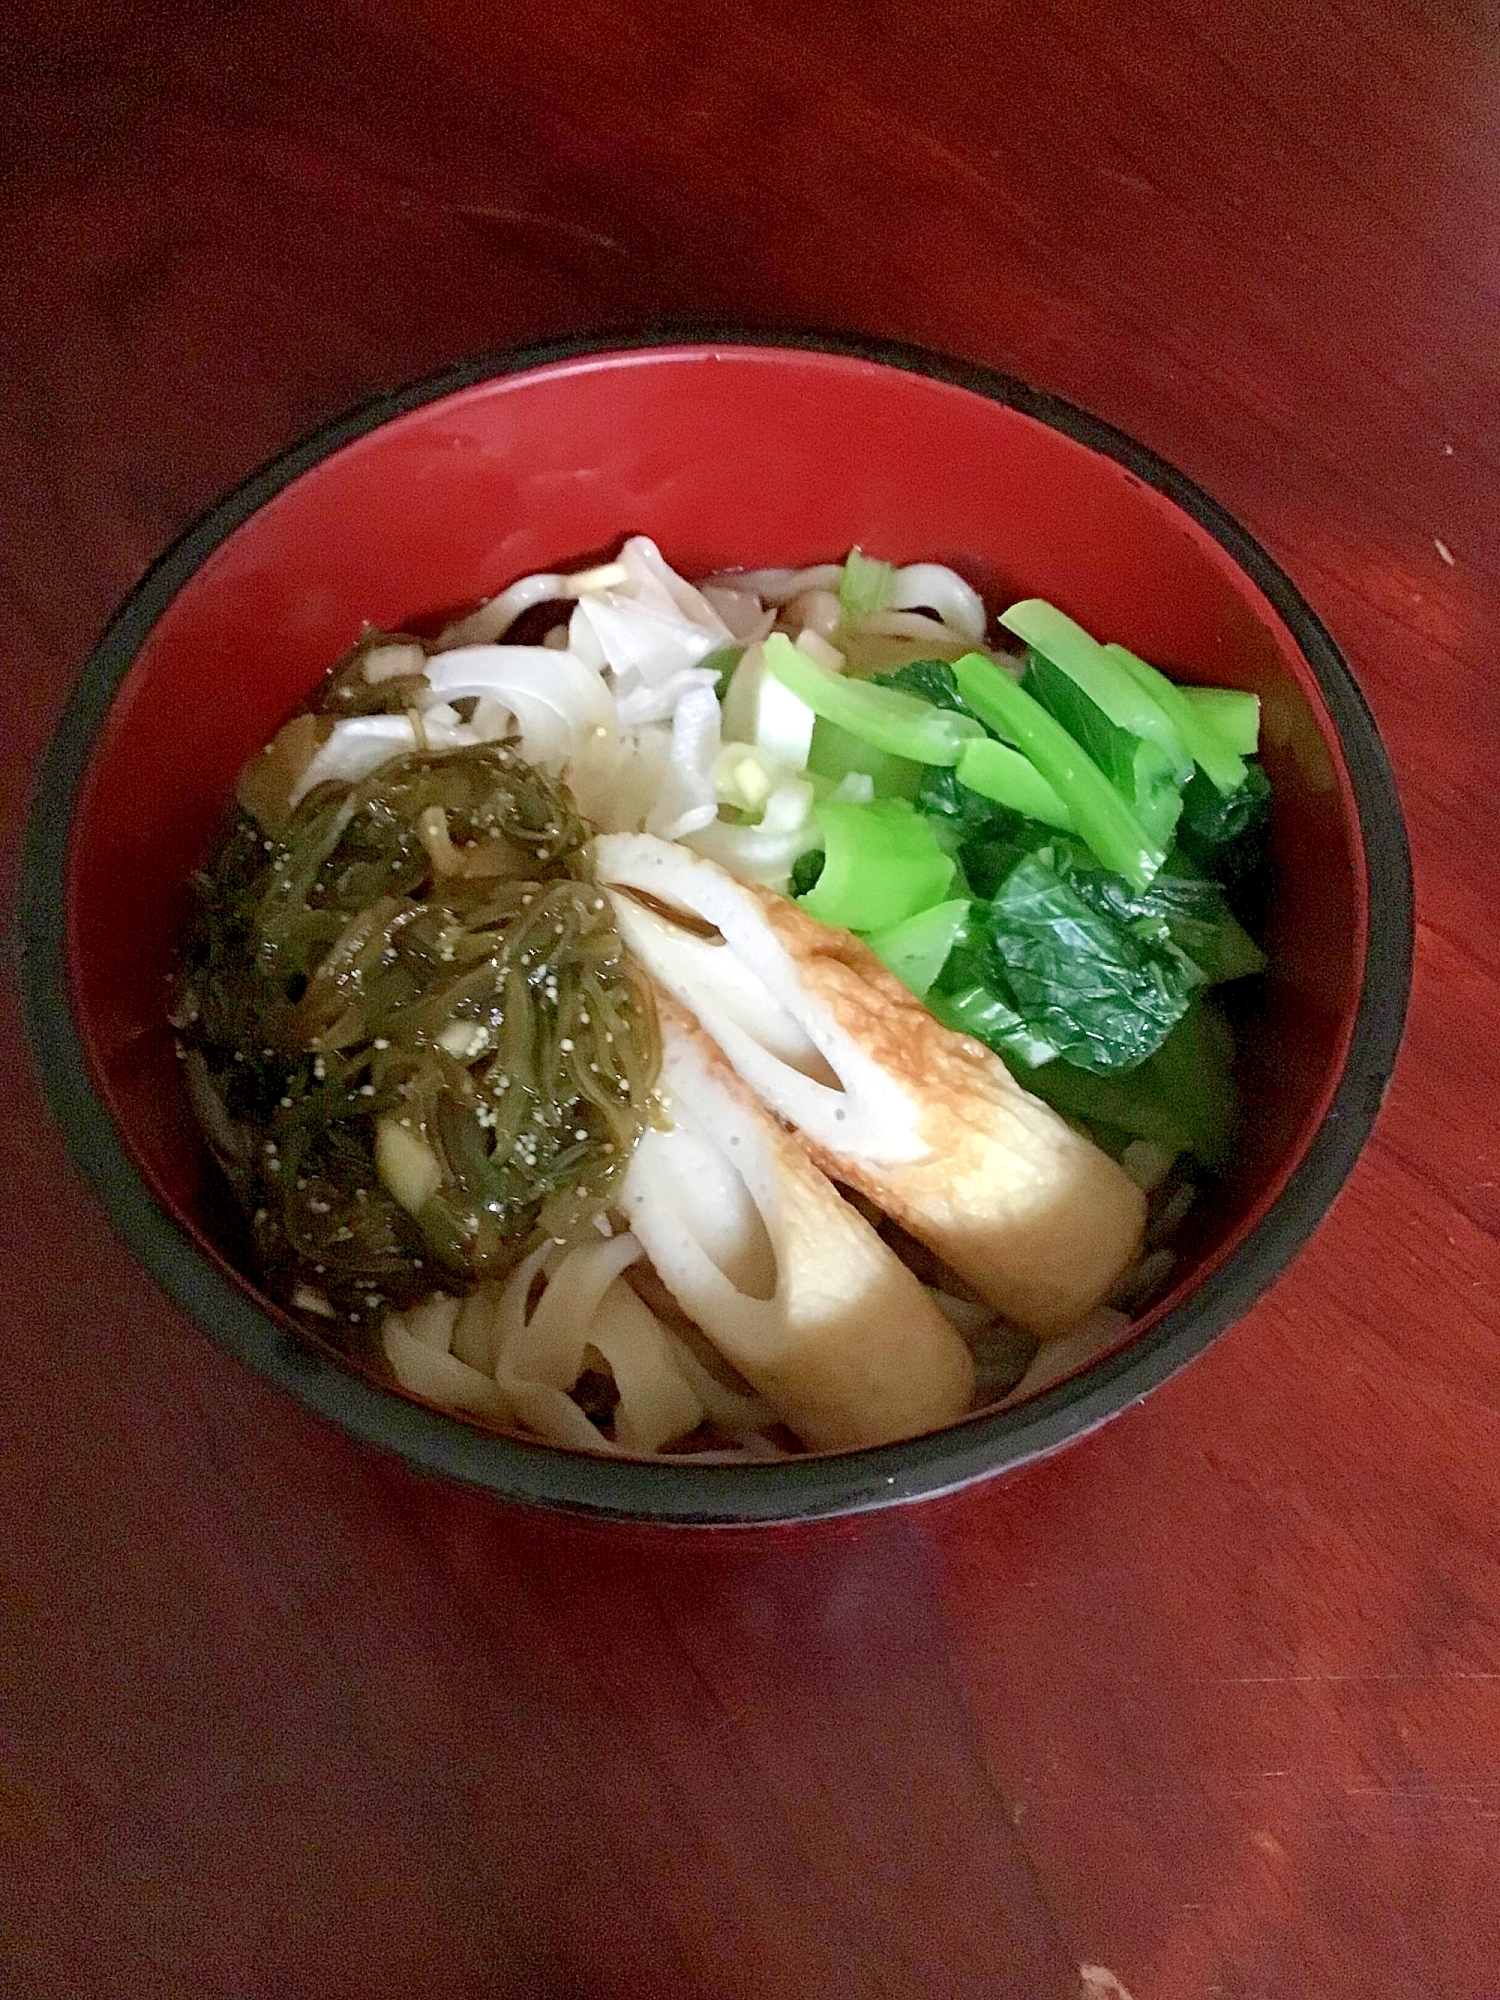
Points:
(1422, 1676)
(523, 218)
(1137, 183)
(1329, 1679)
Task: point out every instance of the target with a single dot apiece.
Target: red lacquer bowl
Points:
(746, 450)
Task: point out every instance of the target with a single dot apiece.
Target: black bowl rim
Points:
(723, 1495)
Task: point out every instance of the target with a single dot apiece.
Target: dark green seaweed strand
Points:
(331, 978)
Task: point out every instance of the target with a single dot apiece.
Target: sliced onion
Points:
(558, 701)
(780, 586)
(940, 589)
(358, 745)
(747, 618)
(687, 801)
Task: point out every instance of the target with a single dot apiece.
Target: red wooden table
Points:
(1213, 1699)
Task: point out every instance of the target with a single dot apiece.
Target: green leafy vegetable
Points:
(1122, 1103)
(1181, 910)
(986, 839)
(1212, 820)
(412, 997)
(1140, 770)
(1230, 714)
(885, 718)
(1193, 1071)
(835, 754)
(929, 680)
(997, 772)
(1217, 757)
(1182, 1098)
(1194, 915)
(1099, 813)
(1083, 957)
(917, 949)
(989, 855)
(881, 865)
(936, 788)
(1102, 994)
(1079, 971)
(973, 994)
(982, 1011)
(1228, 838)
(805, 871)
(1120, 697)
(941, 796)
(865, 585)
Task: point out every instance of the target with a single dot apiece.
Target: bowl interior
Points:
(727, 457)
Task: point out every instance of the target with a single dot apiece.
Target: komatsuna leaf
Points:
(834, 754)
(931, 680)
(881, 864)
(1009, 777)
(1182, 1098)
(1218, 737)
(1229, 838)
(984, 1013)
(1180, 909)
(1102, 816)
(1104, 996)
(805, 871)
(917, 948)
(965, 813)
(1126, 698)
(1140, 770)
(972, 994)
(887, 718)
(988, 839)
(1211, 820)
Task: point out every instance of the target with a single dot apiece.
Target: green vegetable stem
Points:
(1098, 812)
(885, 718)
(882, 864)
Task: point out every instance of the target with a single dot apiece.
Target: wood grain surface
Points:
(1207, 1708)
